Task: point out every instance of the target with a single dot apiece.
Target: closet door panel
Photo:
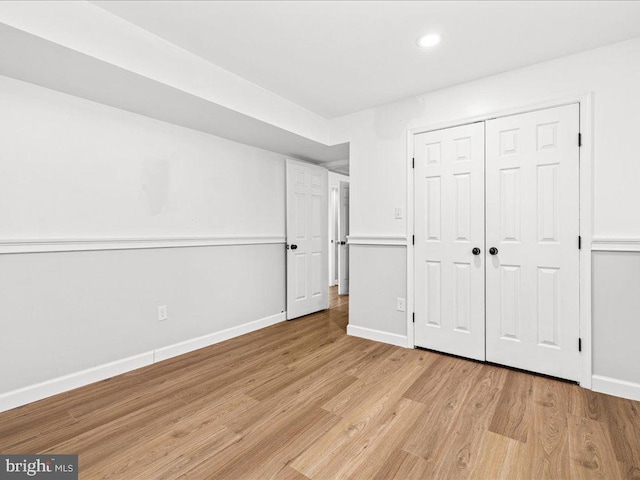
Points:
(449, 224)
(532, 220)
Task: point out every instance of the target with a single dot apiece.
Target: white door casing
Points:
(343, 253)
(532, 209)
(449, 224)
(307, 238)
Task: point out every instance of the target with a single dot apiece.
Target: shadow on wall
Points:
(155, 179)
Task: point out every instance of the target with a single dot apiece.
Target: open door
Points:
(343, 250)
(307, 239)
(334, 231)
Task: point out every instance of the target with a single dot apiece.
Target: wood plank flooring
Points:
(302, 400)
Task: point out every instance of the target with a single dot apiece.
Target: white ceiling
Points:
(42, 62)
(337, 57)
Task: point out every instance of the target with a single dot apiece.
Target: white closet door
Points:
(532, 209)
(307, 239)
(449, 225)
(343, 252)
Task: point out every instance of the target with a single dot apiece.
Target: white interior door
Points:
(532, 209)
(449, 225)
(334, 244)
(343, 252)
(307, 239)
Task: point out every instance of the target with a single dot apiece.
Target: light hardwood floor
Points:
(302, 400)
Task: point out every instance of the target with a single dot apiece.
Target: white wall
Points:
(71, 169)
(370, 288)
(379, 175)
(616, 315)
(378, 136)
(70, 311)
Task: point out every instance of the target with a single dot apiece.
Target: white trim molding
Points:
(599, 244)
(617, 387)
(190, 345)
(378, 336)
(393, 240)
(89, 244)
(48, 388)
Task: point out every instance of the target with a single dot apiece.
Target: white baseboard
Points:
(614, 386)
(176, 349)
(377, 240)
(24, 245)
(378, 335)
(48, 388)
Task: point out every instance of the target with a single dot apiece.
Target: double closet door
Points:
(496, 241)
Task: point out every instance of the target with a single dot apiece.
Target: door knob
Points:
(343, 243)
(293, 247)
(493, 251)
(476, 251)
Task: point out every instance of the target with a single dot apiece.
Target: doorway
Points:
(338, 232)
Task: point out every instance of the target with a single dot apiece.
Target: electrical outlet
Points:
(162, 313)
(398, 213)
(401, 304)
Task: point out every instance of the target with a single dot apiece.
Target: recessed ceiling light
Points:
(428, 41)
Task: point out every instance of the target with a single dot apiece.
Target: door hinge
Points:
(579, 344)
(413, 162)
(413, 239)
(579, 242)
(579, 139)
(414, 317)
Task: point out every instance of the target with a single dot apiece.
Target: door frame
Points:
(585, 100)
(341, 183)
